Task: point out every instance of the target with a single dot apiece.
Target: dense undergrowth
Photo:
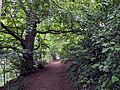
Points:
(97, 56)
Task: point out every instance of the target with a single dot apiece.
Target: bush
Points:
(97, 56)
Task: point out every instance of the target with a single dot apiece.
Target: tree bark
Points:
(27, 65)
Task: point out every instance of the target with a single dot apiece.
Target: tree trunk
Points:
(27, 65)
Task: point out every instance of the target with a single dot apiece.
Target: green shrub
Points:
(97, 56)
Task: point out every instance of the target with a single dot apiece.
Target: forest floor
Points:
(52, 77)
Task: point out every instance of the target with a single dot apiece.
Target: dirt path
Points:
(53, 77)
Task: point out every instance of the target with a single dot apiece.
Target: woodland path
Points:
(53, 77)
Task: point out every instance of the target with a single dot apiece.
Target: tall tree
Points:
(20, 19)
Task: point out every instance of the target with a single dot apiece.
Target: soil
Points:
(52, 77)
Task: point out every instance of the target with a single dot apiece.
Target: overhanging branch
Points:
(12, 33)
(59, 31)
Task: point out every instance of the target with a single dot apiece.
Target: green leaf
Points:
(112, 42)
(95, 65)
(105, 50)
(117, 49)
(115, 78)
(105, 44)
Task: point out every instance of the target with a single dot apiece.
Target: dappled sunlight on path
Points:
(53, 77)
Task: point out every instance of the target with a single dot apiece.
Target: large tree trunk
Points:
(27, 65)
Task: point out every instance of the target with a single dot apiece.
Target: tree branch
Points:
(12, 33)
(59, 31)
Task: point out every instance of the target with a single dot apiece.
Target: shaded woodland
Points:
(85, 33)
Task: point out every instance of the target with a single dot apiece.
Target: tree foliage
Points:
(87, 31)
(97, 56)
